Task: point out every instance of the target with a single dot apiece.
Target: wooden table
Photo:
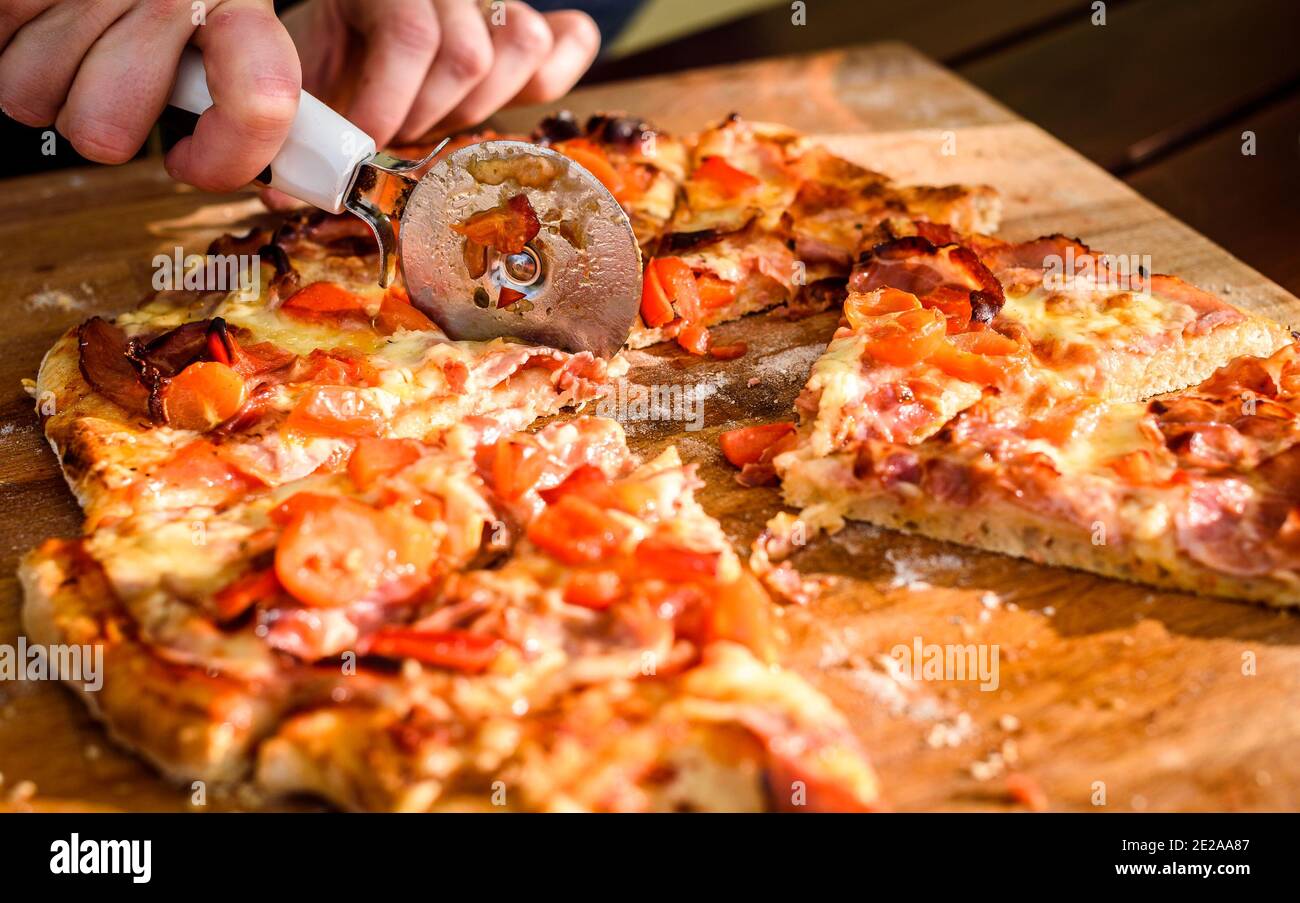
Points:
(1107, 691)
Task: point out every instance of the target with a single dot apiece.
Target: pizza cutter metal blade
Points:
(574, 285)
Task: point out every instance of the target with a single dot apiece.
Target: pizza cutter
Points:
(575, 284)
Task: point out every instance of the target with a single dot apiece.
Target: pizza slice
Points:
(1096, 320)
(408, 631)
(979, 438)
(199, 397)
(768, 217)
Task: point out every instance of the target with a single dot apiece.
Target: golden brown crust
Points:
(191, 725)
(1011, 530)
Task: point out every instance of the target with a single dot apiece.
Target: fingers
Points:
(520, 45)
(464, 58)
(577, 41)
(401, 40)
(255, 79)
(14, 14)
(41, 60)
(103, 121)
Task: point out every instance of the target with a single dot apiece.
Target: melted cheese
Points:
(1117, 431)
(1090, 315)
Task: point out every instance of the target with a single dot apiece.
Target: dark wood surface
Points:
(1101, 682)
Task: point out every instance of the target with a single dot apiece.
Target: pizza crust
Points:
(190, 725)
(997, 526)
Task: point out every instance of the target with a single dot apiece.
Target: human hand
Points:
(101, 73)
(398, 68)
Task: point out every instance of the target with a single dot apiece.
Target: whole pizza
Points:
(330, 551)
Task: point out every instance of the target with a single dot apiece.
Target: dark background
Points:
(1160, 95)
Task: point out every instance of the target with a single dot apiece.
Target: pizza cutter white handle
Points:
(318, 159)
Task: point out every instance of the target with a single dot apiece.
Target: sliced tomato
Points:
(906, 338)
(396, 312)
(375, 458)
(517, 465)
(742, 613)
(596, 590)
(456, 650)
(861, 308)
(340, 411)
(656, 306)
(729, 181)
(253, 587)
(591, 157)
(986, 342)
(714, 292)
(317, 298)
(694, 338)
(576, 531)
(954, 302)
(747, 444)
(666, 559)
(986, 358)
(342, 551)
(506, 227)
(203, 395)
(300, 503)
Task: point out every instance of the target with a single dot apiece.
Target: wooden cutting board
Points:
(1112, 696)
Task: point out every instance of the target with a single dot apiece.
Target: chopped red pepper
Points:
(729, 180)
(678, 282)
(596, 590)
(694, 338)
(517, 465)
(575, 531)
(375, 458)
(747, 444)
(669, 560)
(729, 352)
(656, 306)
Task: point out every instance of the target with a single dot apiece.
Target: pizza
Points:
(970, 398)
(744, 217)
(538, 618)
(198, 397)
(768, 217)
(330, 551)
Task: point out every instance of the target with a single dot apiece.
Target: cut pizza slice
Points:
(1110, 328)
(769, 217)
(647, 679)
(437, 612)
(1192, 490)
(197, 398)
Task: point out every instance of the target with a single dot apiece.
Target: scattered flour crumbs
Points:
(883, 678)
(788, 365)
(60, 300)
